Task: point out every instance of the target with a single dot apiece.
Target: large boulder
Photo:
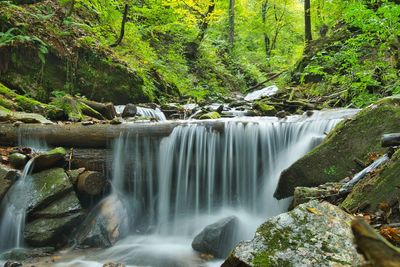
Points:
(53, 208)
(130, 110)
(7, 177)
(47, 186)
(105, 224)
(352, 139)
(50, 231)
(379, 188)
(313, 234)
(218, 239)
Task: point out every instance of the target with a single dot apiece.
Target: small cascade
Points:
(13, 210)
(145, 112)
(152, 113)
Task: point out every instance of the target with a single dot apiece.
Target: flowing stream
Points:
(176, 185)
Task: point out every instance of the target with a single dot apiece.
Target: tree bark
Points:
(122, 33)
(91, 183)
(205, 20)
(231, 26)
(307, 20)
(267, 41)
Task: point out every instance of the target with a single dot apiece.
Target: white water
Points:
(267, 91)
(145, 112)
(13, 210)
(199, 174)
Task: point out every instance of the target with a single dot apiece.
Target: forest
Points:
(199, 133)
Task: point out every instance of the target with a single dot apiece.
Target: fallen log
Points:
(389, 140)
(377, 250)
(91, 183)
(105, 109)
(77, 135)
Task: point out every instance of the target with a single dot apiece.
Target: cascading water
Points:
(202, 172)
(145, 112)
(13, 210)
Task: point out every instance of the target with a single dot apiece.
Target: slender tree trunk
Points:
(267, 40)
(70, 8)
(122, 33)
(307, 20)
(204, 23)
(231, 29)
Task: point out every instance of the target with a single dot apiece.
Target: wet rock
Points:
(18, 160)
(265, 109)
(91, 183)
(333, 159)
(7, 177)
(73, 175)
(50, 231)
(282, 114)
(30, 118)
(218, 239)
(47, 186)
(64, 206)
(305, 194)
(12, 264)
(104, 225)
(111, 264)
(130, 110)
(49, 159)
(23, 254)
(313, 234)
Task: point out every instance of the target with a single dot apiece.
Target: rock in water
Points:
(105, 224)
(7, 177)
(333, 159)
(18, 160)
(49, 159)
(313, 234)
(130, 110)
(218, 239)
(91, 183)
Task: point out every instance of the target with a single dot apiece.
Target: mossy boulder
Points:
(383, 186)
(18, 160)
(11, 100)
(313, 234)
(49, 159)
(210, 116)
(47, 186)
(264, 109)
(75, 109)
(352, 139)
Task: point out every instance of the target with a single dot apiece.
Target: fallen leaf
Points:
(313, 210)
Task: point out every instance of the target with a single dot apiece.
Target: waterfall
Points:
(13, 211)
(201, 170)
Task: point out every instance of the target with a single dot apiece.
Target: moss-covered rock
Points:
(47, 186)
(313, 234)
(13, 101)
(333, 160)
(382, 186)
(49, 159)
(75, 109)
(18, 160)
(210, 116)
(264, 109)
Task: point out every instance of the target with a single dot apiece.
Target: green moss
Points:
(210, 116)
(265, 109)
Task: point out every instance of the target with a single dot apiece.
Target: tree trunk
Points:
(307, 20)
(267, 41)
(91, 183)
(231, 28)
(204, 23)
(122, 33)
